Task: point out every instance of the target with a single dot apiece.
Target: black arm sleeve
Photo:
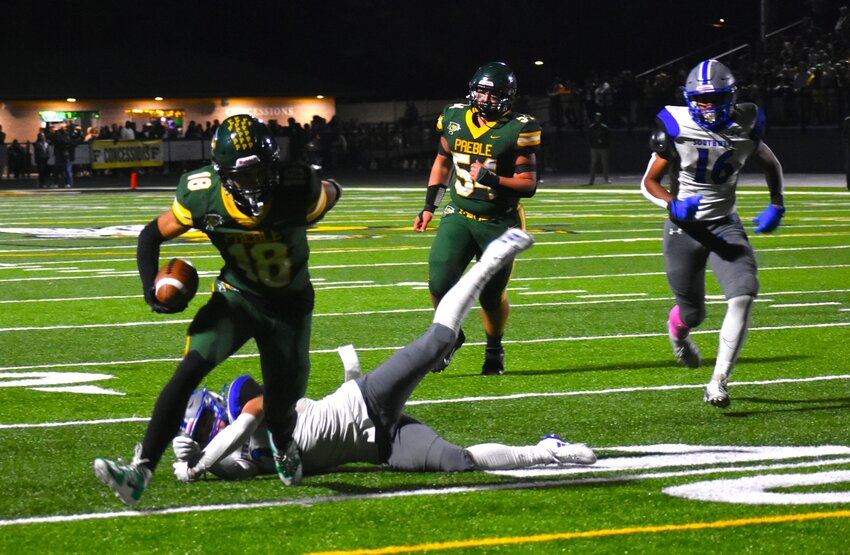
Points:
(147, 254)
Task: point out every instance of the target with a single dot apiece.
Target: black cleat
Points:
(494, 362)
(448, 358)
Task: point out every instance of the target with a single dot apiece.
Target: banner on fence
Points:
(126, 154)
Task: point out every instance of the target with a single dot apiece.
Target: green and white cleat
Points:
(288, 463)
(128, 481)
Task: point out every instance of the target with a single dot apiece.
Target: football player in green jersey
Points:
(486, 158)
(256, 211)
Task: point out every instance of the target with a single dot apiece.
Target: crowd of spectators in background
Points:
(799, 77)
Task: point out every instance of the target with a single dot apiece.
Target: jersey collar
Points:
(241, 218)
(474, 129)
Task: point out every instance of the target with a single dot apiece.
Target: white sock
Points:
(456, 304)
(350, 362)
(733, 334)
(495, 456)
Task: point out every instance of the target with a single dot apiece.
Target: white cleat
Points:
(567, 453)
(717, 394)
(508, 245)
(686, 352)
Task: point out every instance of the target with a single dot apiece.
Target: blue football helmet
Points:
(712, 84)
(237, 394)
(205, 416)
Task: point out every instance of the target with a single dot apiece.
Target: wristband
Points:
(433, 197)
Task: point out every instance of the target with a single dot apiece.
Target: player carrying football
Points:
(703, 147)
(256, 211)
(486, 158)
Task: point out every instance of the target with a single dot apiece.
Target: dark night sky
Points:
(357, 50)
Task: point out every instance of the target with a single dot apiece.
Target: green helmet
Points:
(499, 81)
(245, 155)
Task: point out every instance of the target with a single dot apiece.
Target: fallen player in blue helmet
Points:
(363, 420)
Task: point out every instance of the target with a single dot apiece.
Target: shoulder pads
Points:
(746, 114)
(750, 118)
(659, 141)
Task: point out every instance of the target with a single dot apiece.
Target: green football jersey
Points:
(264, 255)
(495, 145)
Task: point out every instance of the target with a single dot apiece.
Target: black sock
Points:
(494, 342)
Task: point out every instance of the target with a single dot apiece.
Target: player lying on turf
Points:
(363, 420)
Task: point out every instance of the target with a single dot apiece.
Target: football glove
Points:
(158, 307)
(185, 449)
(769, 219)
(183, 473)
(684, 209)
(487, 178)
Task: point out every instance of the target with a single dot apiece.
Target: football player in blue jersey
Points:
(363, 420)
(703, 146)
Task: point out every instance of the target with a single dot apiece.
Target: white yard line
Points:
(396, 348)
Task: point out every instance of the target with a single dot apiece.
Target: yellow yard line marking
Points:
(487, 542)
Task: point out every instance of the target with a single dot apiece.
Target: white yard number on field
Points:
(65, 382)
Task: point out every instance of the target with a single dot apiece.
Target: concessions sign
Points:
(126, 154)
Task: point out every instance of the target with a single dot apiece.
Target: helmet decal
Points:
(239, 131)
(245, 156)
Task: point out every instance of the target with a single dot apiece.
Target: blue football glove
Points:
(769, 219)
(684, 209)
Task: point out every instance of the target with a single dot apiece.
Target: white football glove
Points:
(186, 449)
(183, 472)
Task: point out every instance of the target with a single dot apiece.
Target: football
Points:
(176, 283)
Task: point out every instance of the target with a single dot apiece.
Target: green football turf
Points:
(83, 360)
